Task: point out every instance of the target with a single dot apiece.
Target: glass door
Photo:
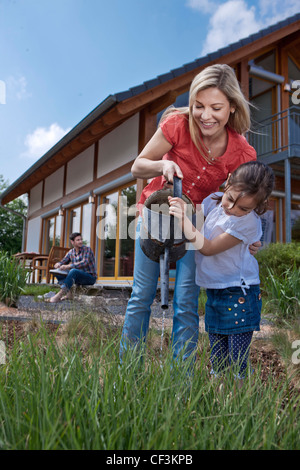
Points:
(108, 238)
(52, 233)
(126, 244)
(115, 233)
(80, 220)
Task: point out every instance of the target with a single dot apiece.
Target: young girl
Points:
(224, 265)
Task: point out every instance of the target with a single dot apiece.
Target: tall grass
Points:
(278, 257)
(58, 393)
(283, 292)
(13, 278)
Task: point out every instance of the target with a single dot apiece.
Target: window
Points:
(260, 90)
(115, 233)
(267, 61)
(293, 70)
(52, 233)
(80, 220)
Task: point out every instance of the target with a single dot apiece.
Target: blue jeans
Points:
(185, 303)
(75, 276)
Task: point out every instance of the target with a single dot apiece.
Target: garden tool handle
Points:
(177, 192)
(177, 187)
(164, 263)
(164, 260)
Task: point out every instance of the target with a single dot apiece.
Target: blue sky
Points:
(60, 58)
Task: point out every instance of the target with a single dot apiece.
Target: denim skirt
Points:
(231, 311)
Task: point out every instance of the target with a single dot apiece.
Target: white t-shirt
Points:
(235, 266)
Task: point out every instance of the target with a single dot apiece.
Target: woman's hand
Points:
(254, 248)
(170, 169)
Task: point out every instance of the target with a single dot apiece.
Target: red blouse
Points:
(199, 177)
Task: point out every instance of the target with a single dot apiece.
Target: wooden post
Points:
(243, 77)
(147, 128)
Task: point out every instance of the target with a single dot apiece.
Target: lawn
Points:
(62, 388)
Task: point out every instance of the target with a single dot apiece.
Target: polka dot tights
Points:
(230, 350)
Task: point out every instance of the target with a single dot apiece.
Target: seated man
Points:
(79, 263)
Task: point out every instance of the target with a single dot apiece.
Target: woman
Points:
(201, 144)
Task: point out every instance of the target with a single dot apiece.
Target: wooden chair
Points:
(25, 259)
(43, 264)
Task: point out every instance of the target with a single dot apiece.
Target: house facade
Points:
(84, 182)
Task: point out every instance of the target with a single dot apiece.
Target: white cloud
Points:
(204, 6)
(17, 88)
(277, 10)
(230, 22)
(42, 139)
(233, 20)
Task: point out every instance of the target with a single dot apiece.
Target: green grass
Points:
(39, 289)
(66, 390)
(283, 293)
(12, 278)
(286, 342)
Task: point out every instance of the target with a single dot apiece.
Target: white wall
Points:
(54, 186)
(119, 146)
(35, 198)
(80, 170)
(33, 235)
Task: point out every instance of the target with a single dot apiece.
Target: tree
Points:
(11, 225)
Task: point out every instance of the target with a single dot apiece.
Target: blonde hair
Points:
(223, 77)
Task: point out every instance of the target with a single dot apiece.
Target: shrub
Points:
(283, 292)
(278, 257)
(13, 278)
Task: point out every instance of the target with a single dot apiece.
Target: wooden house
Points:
(88, 170)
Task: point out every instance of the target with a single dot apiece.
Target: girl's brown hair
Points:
(252, 179)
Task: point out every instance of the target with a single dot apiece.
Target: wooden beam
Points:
(147, 127)
(162, 102)
(87, 138)
(244, 77)
(96, 157)
(283, 70)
